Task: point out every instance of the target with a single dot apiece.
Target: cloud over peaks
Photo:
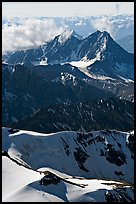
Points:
(29, 34)
(103, 24)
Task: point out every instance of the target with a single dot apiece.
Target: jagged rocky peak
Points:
(102, 33)
(99, 36)
(73, 33)
(104, 36)
(66, 34)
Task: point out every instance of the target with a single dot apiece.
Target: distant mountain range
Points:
(127, 43)
(120, 25)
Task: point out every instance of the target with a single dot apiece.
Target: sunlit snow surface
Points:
(20, 184)
(46, 152)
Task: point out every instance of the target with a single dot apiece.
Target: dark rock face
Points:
(103, 146)
(120, 195)
(12, 130)
(130, 144)
(115, 157)
(119, 173)
(80, 157)
(50, 178)
(66, 147)
(102, 152)
(4, 153)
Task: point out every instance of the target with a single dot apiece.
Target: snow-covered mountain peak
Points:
(99, 34)
(73, 33)
(99, 41)
(105, 33)
(66, 34)
(99, 48)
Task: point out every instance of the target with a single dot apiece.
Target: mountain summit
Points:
(68, 34)
(105, 56)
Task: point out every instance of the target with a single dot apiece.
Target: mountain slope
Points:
(20, 184)
(32, 88)
(99, 154)
(92, 115)
(35, 87)
(113, 60)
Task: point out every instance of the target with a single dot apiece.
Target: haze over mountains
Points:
(75, 95)
(127, 43)
(27, 33)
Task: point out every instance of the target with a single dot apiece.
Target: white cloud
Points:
(31, 33)
(103, 24)
(117, 5)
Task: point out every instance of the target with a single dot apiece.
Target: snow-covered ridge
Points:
(67, 166)
(88, 155)
(20, 184)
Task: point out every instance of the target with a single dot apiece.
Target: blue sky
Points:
(65, 9)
